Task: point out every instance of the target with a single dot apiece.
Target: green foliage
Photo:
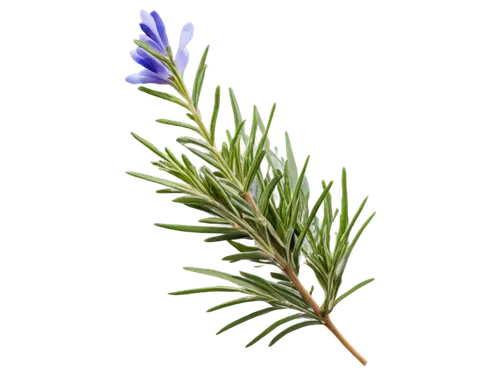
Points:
(253, 194)
(200, 76)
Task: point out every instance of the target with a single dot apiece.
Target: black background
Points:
(356, 71)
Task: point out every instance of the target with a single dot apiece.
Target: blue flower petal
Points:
(145, 77)
(154, 64)
(186, 35)
(151, 42)
(160, 27)
(182, 59)
(150, 33)
(141, 60)
(148, 20)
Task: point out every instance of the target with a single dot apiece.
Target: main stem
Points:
(326, 319)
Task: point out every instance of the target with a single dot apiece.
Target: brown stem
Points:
(248, 197)
(326, 319)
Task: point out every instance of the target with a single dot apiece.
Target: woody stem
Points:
(325, 319)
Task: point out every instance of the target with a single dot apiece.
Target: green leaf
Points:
(198, 142)
(168, 191)
(266, 195)
(271, 116)
(292, 166)
(236, 160)
(279, 276)
(276, 219)
(191, 169)
(215, 113)
(222, 275)
(214, 220)
(173, 185)
(243, 248)
(206, 203)
(198, 80)
(249, 152)
(327, 215)
(168, 156)
(184, 175)
(248, 317)
(264, 137)
(296, 201)
(254, 168)
(293, 328)
(286, 184)
(234, 302)
(275, 325)
(189, 117)
(345, 236)
(235, 107)
(320, 273)
(312, 215)
(261, 283)
(205, 290)
(360, 231)
(344, 218)
(178, 123)
(226, 237)
(219, 190)
(259, 122)
(233, 146)
(254, 255)
(165, 96)
(159, 164)
(204, 156)
(249, 286)
(242, 205)
(198, 229)
(352, 290)
(288, 292)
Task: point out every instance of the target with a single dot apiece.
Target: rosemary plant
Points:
(249, 193)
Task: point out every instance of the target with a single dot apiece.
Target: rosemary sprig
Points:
(251, 193)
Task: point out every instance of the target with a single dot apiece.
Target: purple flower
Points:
(156, 36)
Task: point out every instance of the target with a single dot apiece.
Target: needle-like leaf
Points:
(227, 237)
(168, 156)
(161, 181)
(234, 302)
(352, 290)
(353, 221)
(266, 195)
(235, 107)
(293, 328)
(360, 231)
(243, 248)
(253, 170)
(344, 215)
(292, 166)
(205, 290)
(198, 229)
(214, 220)
(257, 255)
(178, 124)
(198, 80)
(215, 113)
(275, 325)
(248, 317)
(165, 96)
(312, 215)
